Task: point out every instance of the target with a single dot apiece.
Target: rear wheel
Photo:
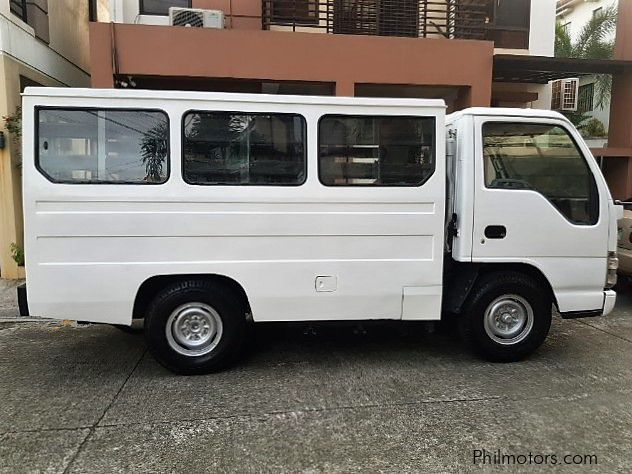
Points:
(507, 318)
(195, 326)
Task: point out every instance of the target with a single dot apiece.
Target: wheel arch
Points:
(153, 285)
(463, 277)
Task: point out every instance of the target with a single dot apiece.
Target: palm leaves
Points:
(595, 41)
(153, 150)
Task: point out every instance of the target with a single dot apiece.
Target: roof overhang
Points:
(542, 69)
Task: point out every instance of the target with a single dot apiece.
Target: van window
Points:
(239, 148)
(542, 158)
(103, 146)
(375, 151)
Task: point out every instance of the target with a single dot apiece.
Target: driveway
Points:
(393, 399)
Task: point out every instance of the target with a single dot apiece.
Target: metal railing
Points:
(454, 19)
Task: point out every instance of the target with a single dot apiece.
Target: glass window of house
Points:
(239, 148)
(543, 158)
(375, 151)
(103, 146)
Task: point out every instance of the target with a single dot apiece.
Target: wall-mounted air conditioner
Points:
(565, 94)
(196, 17)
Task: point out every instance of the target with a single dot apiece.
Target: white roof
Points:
(506, 112)
(227, 97)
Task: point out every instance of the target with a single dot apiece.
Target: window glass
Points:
(375, 151)
(244, 148)
(585, 98)
(103, 146)
(513, 13)
(299, 11)
(161, 7)
(542, 158)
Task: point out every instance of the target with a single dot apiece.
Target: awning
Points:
(542, 69)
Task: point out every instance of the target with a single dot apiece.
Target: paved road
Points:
(396, 399)
(8, 299)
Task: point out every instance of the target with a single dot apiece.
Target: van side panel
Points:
(90, 247)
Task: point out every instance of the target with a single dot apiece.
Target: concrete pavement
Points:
(396, 399)
(9, 298)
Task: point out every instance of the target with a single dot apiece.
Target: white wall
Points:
(542, 29)
(17, 39)
(580, 12)
(601, 114)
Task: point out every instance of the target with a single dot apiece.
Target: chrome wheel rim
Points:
(508, 319)
(194, 329)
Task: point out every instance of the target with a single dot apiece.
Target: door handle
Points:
(495, 231)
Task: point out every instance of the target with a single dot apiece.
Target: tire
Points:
(524, 304)
(195, 327)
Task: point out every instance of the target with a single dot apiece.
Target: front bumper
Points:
(609, 299)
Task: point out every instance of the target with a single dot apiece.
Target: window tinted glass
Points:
(103, 146)
(543, 158)
(161, 7)
(375, 151)
(244, 148)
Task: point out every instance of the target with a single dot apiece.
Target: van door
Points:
(541, 200)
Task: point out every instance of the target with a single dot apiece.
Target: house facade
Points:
(41, 43)
(574, 15)
(393, 48)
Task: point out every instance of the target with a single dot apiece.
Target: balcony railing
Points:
(454, 19)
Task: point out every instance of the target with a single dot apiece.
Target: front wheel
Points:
(195, 326)
(508, 317)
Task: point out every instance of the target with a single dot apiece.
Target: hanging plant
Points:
(13, 124)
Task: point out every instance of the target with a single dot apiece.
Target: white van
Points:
(201, 211)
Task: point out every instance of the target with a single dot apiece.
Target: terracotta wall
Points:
(620, 116)
(240, 14)
(619, 174)
(283, 56)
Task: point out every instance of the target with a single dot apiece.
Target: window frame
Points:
(22, 4)
(588, 99)
(282, 185)
(564, 127)
(100, 109)
(525, 30)
(142, 11)
(93, 11)
(386, 186)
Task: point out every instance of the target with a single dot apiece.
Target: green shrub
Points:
(17, 254)
(593, 128)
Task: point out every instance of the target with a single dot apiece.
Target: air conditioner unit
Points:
(196, 17)
(565, 94)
